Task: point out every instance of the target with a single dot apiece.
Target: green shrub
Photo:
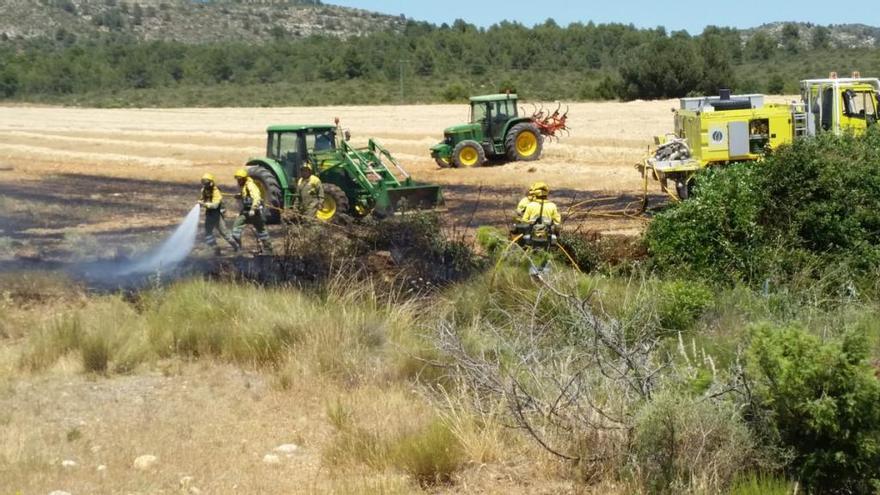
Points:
(681, 303)
(714, 234)
(455, 92)
(810, 210)
(761, 485)
(491, 239)
(822, 399)
(583, 250)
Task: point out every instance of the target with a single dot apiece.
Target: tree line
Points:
(605, 61)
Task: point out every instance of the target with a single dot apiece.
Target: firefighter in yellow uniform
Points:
(251, 212)
(541, 218)
(212, 201)
(523, 204)
(309, 193)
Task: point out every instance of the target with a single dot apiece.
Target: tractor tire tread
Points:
(510, 142)
(342, 204)
(274, 200)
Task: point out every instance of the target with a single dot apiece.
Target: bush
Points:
(412, 247)
(454, 92)
(431, 455)
(809, 209)
(681, 303)
(761, 485)
(822, 399)
(95, 352)
(373, 432)
(680, 443)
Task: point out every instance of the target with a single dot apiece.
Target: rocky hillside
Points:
(189, 21)
(806, 35)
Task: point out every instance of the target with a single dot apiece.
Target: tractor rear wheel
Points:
(270, 190)
(335, 204)
(524, 142)
(468, 154)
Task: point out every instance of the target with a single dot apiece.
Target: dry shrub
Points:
(30, 288)
(681, 444)
(372, 431)
(431, 455)
(95, 350)
(410, 249)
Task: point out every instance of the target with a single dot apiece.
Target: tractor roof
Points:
(497, 97)
(299, 127)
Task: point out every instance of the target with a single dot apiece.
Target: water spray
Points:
(164, 258)
(174, 250)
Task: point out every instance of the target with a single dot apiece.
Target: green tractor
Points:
(496, 130)
(357, 181)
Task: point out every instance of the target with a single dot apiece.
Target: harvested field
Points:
(118, 174)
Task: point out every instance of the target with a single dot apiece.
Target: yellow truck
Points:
(729, 128)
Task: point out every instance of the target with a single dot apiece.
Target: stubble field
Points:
(73, 179)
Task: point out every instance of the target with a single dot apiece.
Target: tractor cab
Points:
(493, 112)
(292, 146)
(840, 104)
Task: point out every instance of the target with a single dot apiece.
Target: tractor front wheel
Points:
(524, 142)
(335, 203)
(442, 162)
(468, 154)
(269, 188)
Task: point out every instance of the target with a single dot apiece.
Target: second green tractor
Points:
(496, 130)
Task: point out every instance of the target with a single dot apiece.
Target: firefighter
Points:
(212, 201)
(541, 209)
(523, 204)
(309, 193)
(539, 224)
(251, 212)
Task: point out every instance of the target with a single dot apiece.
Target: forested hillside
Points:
(186, 21)
(421, 62)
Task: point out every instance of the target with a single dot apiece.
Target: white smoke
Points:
(174, 250)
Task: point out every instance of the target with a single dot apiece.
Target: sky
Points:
(690, 15)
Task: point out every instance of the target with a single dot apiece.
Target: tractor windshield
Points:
(321, 141)
(504, 110)
(287, 149)
(283, 144)
(478, 112)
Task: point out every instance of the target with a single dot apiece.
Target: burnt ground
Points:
(84, 223)
(65, 216)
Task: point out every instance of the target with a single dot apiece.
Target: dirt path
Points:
(103, 176)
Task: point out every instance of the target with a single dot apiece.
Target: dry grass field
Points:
(74, 180)
(83, 183)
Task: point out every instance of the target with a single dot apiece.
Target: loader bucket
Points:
(414, 197)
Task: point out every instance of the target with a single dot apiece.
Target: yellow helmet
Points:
(208, 178)
(307, 166)
(540, 189)
(241, 174)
